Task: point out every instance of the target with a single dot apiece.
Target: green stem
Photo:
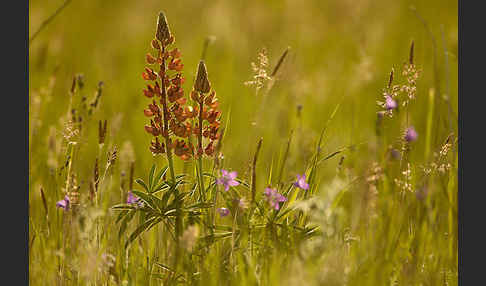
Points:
(199, 141)
(178, 223)
(201, 178)
(170, 161)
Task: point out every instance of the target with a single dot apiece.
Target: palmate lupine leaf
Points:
(147, 198)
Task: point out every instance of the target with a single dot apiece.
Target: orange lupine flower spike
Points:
(169, 113)
(207, 124)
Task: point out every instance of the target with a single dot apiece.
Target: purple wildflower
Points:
(223, 212)
(63, 204)
(132, 199)
(390, 103)
(411, 135)
(274, 198)
(301, 183)
(227, 179)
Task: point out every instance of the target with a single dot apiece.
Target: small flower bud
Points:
(155, 44)
(148, 113)
(163, 32)
(202, 83)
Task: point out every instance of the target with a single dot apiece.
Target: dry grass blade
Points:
(410, 58)
(48, 20)
(390, 80)
(253, 171)
(280, 61)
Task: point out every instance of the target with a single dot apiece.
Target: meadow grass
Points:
(360, 97)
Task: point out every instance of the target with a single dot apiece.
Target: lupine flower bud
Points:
(155, 44)
(202, 82)
(163, 32)
(148, 112)
(150, 59)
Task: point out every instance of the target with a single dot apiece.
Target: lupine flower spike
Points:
(223, 212)
(301, 183)
(227, 179)
(63, 204)
(410, 135)
(167, 111)
(274, 198)
(208, 113)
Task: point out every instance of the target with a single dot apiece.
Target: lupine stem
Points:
(178, 226)
(199, 159)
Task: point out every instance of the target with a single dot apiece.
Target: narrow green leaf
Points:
(142, 183)
(151, 176)
(141, 228)
(147, 198)
(125, 222)
(159, 176)
(122, 207)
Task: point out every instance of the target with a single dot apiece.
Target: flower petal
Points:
(233, 183)
(232, 175)
(62, 204)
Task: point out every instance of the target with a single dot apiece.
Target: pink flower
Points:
(274, 198)
(227, 179)
(301, 183)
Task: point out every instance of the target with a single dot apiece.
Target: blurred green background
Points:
(341, 51)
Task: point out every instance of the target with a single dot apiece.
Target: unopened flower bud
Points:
(202, 82)
(163, 32)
